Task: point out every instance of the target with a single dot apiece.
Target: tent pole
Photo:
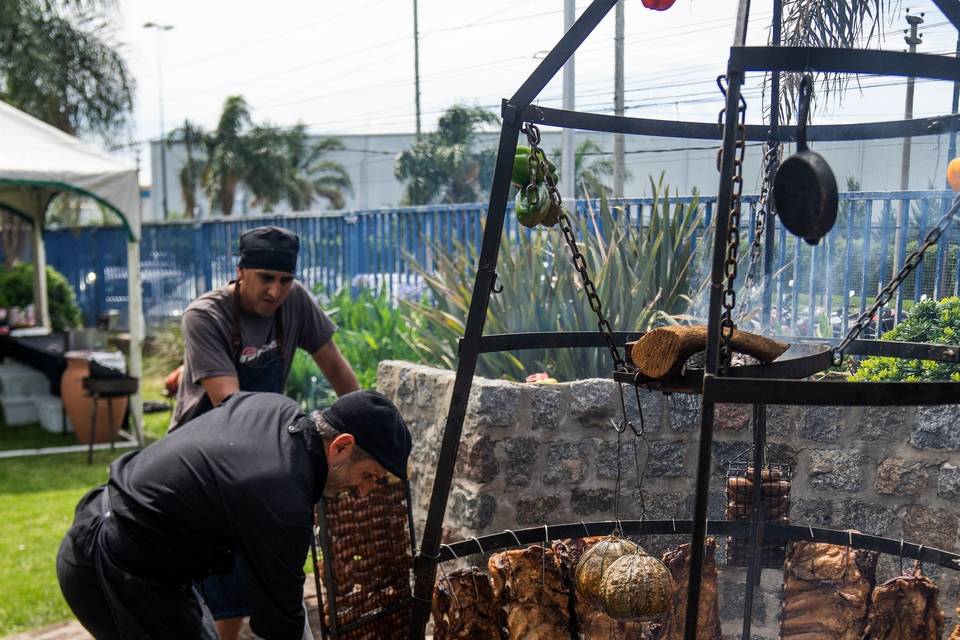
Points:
(135, 322)
(40, 303)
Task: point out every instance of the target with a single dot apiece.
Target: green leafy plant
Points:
(934, 321)
(16, 290)
(641, 275)
(371, 329)
(163, 348)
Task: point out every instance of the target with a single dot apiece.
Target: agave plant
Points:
(641, 274)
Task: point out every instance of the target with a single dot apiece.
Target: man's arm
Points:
(335, 368)
(219, 387)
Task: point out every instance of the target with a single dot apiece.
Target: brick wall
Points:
(535, 454)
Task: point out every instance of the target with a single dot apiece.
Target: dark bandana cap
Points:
(271, 248)
(376, 425)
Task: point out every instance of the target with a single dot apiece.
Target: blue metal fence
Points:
(814, 289)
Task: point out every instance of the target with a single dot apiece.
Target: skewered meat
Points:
(464, 607)
(905, 608)
(590, 620)
(708, 615)
(826, 592)
(528, 584)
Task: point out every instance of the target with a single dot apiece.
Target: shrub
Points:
(641, 275)
(16, 290)
(929, 321)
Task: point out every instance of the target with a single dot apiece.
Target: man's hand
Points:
(336, 369)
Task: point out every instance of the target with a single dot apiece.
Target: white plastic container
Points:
(50, 413)
(17, 382)
(18, 410)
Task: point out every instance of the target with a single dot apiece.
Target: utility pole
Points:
(619, 151)
(160, 29)
(416, 64)
(903, 217)
(568, 163)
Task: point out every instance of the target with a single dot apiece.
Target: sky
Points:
(345, 68)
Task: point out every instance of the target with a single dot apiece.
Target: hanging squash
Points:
(658, 5)
(636, 587)
(595, 560)
(953, 174)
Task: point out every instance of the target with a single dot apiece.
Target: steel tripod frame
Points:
(519, 109)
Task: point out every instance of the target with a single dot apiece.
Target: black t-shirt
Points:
(233, 481)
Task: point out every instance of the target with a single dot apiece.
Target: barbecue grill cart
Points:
(721, 378)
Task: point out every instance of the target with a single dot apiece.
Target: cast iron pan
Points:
(805, 189)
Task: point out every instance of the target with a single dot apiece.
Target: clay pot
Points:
(79, 405)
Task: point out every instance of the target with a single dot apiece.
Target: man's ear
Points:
(341, 448)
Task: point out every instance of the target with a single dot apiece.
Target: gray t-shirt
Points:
(207, 337)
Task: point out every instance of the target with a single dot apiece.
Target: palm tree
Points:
(228, 156)
(194, 138)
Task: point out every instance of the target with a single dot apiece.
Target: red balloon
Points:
(658, 5)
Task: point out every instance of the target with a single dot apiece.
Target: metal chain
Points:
(579, 262)
(727, 325)
(910, 263)
(771, 158)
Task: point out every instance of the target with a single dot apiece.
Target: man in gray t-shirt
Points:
(243, 338)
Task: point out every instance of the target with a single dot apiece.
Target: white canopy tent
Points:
(38, 162)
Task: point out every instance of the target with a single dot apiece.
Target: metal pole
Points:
(774, 139)
(416, 63)
(756, 515)
(903, 215)
(568, 168)
(955, 106)
(705, 446)
(160, 28)
(619, 156)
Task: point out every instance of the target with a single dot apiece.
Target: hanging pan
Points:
(805, 189)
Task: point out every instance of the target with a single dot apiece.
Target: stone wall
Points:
(535, 454)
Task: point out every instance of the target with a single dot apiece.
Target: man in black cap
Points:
(243, 338)
(239, 483)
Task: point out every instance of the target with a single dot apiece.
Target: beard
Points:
(336, 479)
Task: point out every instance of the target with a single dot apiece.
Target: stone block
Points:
(494, 403)
(537, 510)
(519, 460)
(780, 420)
(815, 512)
(948, 482)
(665, 459)
(929, 526)
(821, 424)
(684, 412)
(433, 389)
(651, 402)
(585, 502)
(866, 517)
(899, 477)
(733, 595)
(724, 452)
(475, 511)
(592, 402)
(836, 469)
(936, 428)
(716, 504)
(732, 417)
(476, 460)
(546, 407)
(566, 462)
(660, 506)
(883, 423)
(607, 457)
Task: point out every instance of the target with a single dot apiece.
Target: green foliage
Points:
(163, 348)
(593, 168)
(930, 321)
(642, 278)
(371, 329)
(444, 166)
(16, 290)
(60, 63)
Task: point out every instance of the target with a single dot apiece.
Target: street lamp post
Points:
(160, 28)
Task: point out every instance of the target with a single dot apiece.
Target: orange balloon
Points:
(953, 174)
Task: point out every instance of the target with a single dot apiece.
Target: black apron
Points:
(264, 377)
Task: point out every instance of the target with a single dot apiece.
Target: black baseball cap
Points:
(376, 425)
(273, 248)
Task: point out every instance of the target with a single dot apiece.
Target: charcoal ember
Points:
(708, 614)
(464, 607)
(905, 608)
(826, 593)
(956, 633)
(590, 621)
(528, 585)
